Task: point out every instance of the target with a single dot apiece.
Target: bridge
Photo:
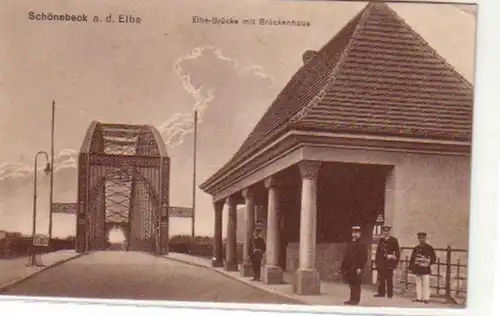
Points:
(123, 181)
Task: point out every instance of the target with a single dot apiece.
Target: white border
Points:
(484, 284)
(483, 243)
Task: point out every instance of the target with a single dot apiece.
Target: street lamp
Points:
(47, 170)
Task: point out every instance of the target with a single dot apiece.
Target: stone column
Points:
(217, 260)
(231, 250)
(246, 267)
(307, 281)
(273, 273)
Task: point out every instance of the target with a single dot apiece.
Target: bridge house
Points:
(375, 123)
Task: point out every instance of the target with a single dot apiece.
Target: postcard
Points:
(263, 152)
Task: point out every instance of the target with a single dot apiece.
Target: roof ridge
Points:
(427, 45)
(332, 77)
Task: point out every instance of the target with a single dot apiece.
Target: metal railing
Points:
(448, 277)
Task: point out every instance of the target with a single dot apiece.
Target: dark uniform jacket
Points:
(260, 244)
(389, 246)
(422, 251)
(356, 256)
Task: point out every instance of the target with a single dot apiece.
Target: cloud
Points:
(14, 170)
(64, 160)
(67, 158)
(180, 124)
(175, 128)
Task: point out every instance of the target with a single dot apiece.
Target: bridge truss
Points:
(123, 181)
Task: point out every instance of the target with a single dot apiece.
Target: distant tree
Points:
(180, 239)
(203, 240)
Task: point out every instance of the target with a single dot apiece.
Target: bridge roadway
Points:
(134, 275)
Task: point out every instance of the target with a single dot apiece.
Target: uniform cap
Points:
(356, 228)
(386, 228)
(421, 234)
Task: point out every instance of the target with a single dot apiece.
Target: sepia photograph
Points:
(262, 152)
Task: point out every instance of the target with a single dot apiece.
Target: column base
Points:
(216, 263)
(307, 282)
(272, 275)
(246, 269)
(231, 267)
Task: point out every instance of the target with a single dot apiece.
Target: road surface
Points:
(133, 275)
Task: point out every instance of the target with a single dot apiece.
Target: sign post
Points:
(39, 242)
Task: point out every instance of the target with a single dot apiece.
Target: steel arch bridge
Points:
(123, 182)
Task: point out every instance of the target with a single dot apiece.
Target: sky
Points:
(157, 72)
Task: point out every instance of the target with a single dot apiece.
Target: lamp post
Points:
(35, 171)
(51, 198)
(193, 215)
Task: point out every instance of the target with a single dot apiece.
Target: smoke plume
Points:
(180, 124)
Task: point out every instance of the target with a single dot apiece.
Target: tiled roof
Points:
(376, 76)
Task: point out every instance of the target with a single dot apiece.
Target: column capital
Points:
(271, 182)
(230, 200)
(218, 206)
(247, 193)
(309, 169)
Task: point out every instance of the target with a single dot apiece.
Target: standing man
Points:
(353, 264)
(422, 257)
(258, 249)
(386, 261)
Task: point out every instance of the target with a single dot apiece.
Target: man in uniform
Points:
(386, 260)
(258, 249)
(353, 264)
(422, 257)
